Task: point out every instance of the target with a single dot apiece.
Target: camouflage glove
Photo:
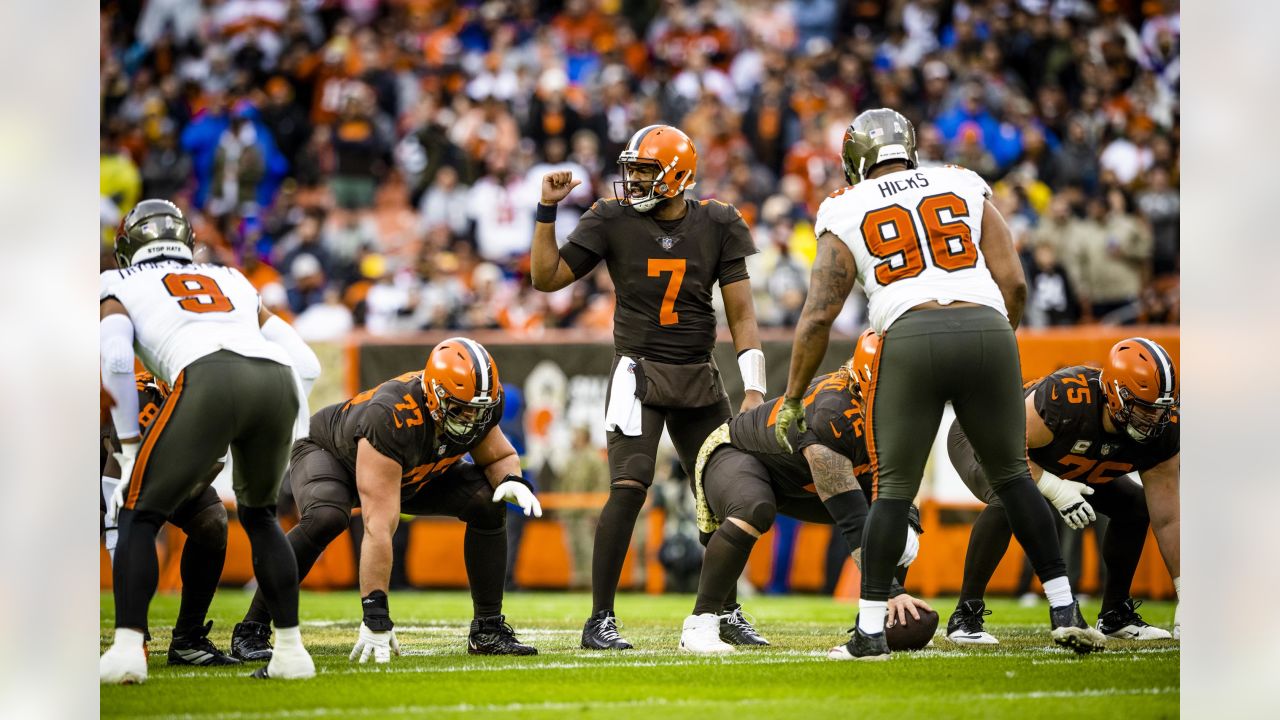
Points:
(791, 413)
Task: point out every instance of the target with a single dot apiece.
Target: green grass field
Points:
(1023, 677)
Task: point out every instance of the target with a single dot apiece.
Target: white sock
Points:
(290, 637)
(129, 639)
(1177, 587)
(871, 616)
(1058, 590)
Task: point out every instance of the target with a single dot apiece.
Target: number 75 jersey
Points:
(914, 235)
(182, 312)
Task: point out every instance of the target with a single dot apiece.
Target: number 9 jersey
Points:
(914, 235)
(182, 312)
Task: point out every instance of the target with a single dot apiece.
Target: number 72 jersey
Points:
(914, 235)
(182, 312)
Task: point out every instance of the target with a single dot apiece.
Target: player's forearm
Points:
(496, 472)
(1168, 539)
(810, 346)
(544, 259)
(376, 555)
(1015, 301)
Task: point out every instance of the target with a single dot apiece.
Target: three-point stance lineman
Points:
(664, 253)
(945, 291)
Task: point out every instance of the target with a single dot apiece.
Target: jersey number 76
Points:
(891, 235)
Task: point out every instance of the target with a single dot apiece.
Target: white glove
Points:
(1068, 498)
(378, 644)
(911, 549)
(514, 491)
(125, 459)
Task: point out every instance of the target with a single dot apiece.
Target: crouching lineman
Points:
(1090, 427)
(398, 448)
(201, 329)
(744, 478)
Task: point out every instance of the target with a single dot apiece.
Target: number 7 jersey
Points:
(182, 312)
(914, 235)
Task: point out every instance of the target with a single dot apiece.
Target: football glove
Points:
(1068, 498)
(517, 491)
(379, 645)
(124, 458)
(791, 413)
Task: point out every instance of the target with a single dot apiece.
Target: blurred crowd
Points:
(376, 163)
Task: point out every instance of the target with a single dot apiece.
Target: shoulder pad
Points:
(721, 212)
(107, 282)
(607, 208)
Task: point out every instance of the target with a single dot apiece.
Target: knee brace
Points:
(208, 527)
(638, 467)
(759, 514)
(324, 523)
(256, 518)
(482, 513)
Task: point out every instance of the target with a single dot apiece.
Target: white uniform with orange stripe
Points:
(914, 235)
(182, 312)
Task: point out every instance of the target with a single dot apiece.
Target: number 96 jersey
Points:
(914, 235)
(184, 311)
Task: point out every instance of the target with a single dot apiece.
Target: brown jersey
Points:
(393, 417)
(1071, 404)
(834, 419)
(663, 273)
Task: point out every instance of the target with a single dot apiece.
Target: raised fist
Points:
(556, 186)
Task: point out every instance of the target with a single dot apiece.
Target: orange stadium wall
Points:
(434, 559)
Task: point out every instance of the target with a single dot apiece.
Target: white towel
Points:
(623, 413)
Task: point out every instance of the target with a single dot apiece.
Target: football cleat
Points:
(861, 646)
(1071, 631)
(251, 641)
(735, 629)
(601, 633)
(287, 663)
(965, 625)
(701, 635)
(1124, 623)
(120, 665)
(195, 648)
(493, 636)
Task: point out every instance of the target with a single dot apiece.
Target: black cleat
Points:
(1124, 623)
(861, 646)
(493, 636)
(251, 641)
(1071, 631)
(195, 648)
(735, 629)
(966, 625)
(601, 633)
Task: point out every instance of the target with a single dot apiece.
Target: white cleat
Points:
(1140, 631)
(701, 635)
(287, 663)
(121, 665)
(981, 637)
(1124, 623)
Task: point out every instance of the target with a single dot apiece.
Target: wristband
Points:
(896, 589)
(519, 479)
(751, 365)
(546, 213)
(377, 616)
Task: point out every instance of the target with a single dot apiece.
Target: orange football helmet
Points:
(864, 355)
(461, 387)
(1141, 387)
(659, 162)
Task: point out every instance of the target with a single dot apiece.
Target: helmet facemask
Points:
(460, 421)
(1140, 419)
(642, 184)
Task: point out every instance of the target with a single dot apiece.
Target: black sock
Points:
(885, 538)
(727, 554)
(305, 552)
(613, 537)
(201, 569)
(1032, 521)
(1121, 551)
(136, 571)
(849, 510)
(988, 542)
(485, 553)
(273, 563)
(730, 600)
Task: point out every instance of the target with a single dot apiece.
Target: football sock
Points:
(1032, 521)
(988, 542)
(1058, 590)
(722, 565)
(111, 534)
(288, 637)
(305, 552)
(885, 536)
(129, 639)
(613, 537)
(273, 563)
(137, 570)
(202, 560)
(871, 616)
(1121, 551)
(849, 510)
(484, 551)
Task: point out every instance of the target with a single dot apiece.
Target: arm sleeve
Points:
(116, 346)
(377, 426)
(732, 271)
(1047, 407)
(301, 355)
(737, 240)
(579, 259)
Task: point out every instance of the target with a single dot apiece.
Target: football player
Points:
(744, 478)
(945, 291)
(203, 331)
(398, 448)
(664, 253)
(1090, 427)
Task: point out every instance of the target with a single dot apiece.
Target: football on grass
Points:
(912, 634)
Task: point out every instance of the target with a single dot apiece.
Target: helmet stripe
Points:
(480, 363)
(1163, 362)
(639, 137)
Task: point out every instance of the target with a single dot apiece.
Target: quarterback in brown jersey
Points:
(744, 478)
(398, 448)
(1087, 429)
(665, 254)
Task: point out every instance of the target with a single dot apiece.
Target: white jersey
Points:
(915, 236)
(182, 312)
